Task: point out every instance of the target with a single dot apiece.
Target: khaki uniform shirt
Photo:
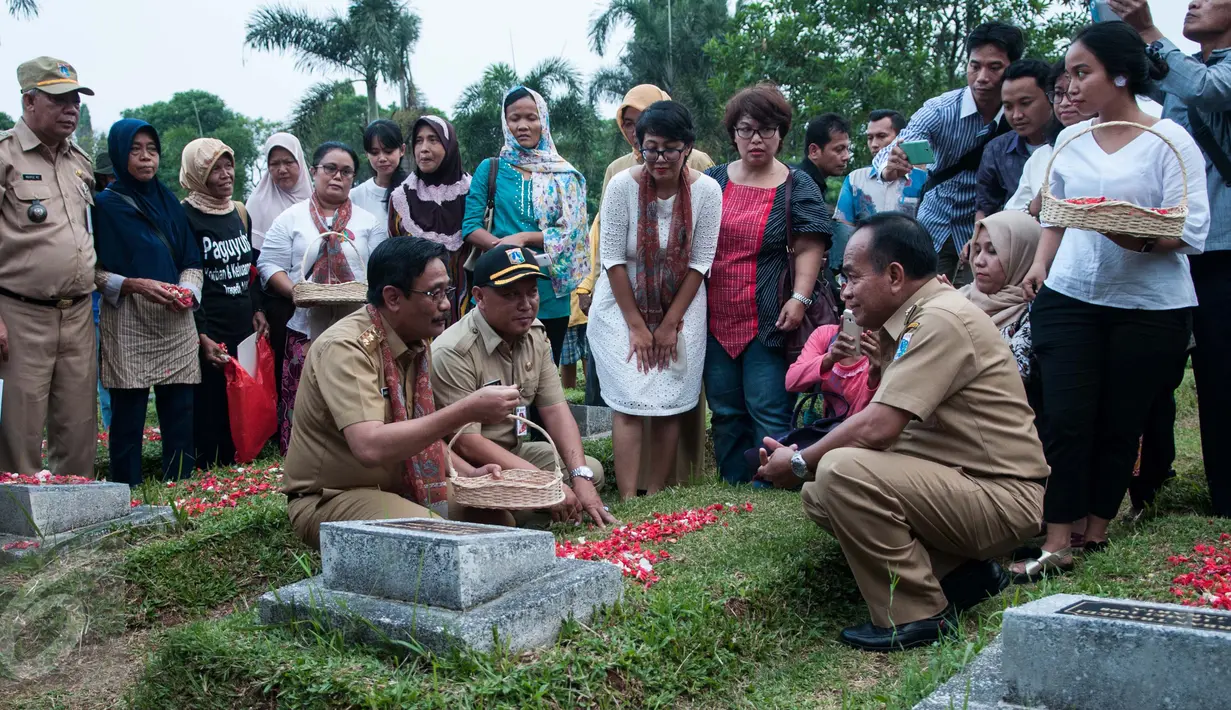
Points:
(946, 364)
(470, 354)
(53, 258)
(343, 383)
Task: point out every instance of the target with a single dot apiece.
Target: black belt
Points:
(61, 303)
(296, 496)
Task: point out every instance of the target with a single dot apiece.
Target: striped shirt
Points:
(952, 125)
(744, 299)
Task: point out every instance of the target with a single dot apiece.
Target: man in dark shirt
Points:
(1024, 97)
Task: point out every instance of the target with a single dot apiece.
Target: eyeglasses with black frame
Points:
(1057, 97)
(439, 295)
(746, 132)
(331, 170)
(670, 155)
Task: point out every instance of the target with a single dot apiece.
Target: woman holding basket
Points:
(324, 241)
(1111, 313)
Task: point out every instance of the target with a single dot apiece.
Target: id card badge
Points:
(522, 428)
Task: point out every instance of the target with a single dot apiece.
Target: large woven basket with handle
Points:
(515, 489)
(308, 294)
(1116, 216)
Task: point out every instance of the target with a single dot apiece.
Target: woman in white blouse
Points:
(1111, 318)
(301, 230)
(647, 330)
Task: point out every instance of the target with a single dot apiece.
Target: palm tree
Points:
(373, 39)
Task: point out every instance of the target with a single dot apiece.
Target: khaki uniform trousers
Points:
(904, 523)
(50, 380)
(307, 513)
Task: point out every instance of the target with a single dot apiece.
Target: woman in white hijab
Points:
(284, 184)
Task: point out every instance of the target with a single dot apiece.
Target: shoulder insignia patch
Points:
(6, 134)
(369, 338)
(904, 341)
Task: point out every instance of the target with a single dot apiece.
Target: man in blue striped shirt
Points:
(957, 124)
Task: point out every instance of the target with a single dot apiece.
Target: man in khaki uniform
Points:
(349, 457)
(47, 348)
(943, 470)
(500, 340)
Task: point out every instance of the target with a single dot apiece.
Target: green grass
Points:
(745, 616)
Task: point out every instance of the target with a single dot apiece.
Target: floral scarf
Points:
(425, 471)
(196, 163)
(336, 269)
(559, 201)
(432, 205)
(661, 271)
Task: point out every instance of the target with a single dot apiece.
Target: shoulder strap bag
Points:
(157, 231)
(489, 212)
(968, 162)
(824, 308)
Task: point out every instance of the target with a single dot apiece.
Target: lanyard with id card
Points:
(520, 427)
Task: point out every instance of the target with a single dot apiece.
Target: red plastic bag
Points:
(252, 403)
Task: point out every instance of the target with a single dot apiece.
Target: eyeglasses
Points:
(439, 295)
(670, 155)
(746, 132)
(1058, 97)
(331, 170)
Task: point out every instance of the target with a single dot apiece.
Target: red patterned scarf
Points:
(660, 272)
(331, 266)
(425, 471)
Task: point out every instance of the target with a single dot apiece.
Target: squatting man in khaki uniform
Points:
(367, 444)
(943, 470)
(47, 349)
(500, 340)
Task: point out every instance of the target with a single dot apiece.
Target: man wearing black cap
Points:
(47, 351)
(501, 341)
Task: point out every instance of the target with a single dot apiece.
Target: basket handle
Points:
(303, 263)
(555, 451)
(1046, 192)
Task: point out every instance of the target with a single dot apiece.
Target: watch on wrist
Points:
(583, 472)
(801, 298)
(799, 466)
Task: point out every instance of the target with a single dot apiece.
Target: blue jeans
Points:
(749, 401)
(174, 405)
(104, 397)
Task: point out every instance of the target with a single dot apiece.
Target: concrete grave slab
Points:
(437, 563)
(592, 421)
(31, 511)
(141, 516)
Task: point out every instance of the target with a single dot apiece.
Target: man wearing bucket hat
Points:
(47, 348)
(501, 341)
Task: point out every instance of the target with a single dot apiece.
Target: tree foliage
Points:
(667, 50)
(854, 56)
(6, 121)
(189, 115)
(374, 40)
(330, 111)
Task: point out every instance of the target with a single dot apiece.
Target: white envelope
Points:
(246, 354)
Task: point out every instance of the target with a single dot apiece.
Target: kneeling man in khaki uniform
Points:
(367, 441)
(500, 340)
(943, 470)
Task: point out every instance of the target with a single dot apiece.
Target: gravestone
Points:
(443, 583)
(35, 518)
(1066, 651)
(592, 422)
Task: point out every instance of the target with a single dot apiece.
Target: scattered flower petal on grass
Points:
(20, 545)
(624, 547)
(213, 492)
(43, 478)
(1207, 582)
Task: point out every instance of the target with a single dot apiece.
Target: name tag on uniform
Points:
(522, 428)
(31, 176)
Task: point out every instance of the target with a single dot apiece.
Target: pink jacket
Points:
(850, 383)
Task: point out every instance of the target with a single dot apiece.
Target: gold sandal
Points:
(1047, 562)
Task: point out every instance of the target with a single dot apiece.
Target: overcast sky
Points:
(134, 52)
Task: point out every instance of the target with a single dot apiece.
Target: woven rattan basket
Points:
(516, 489)
(307, 294)
(1116, 216)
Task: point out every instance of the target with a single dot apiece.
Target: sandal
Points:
(1077, 542)
(1037, 569)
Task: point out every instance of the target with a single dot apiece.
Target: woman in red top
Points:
(745, 357)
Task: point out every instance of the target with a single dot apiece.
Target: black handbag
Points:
(824, 309)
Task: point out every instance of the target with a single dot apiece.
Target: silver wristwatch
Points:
(801, 298)
(799, 467)
(582, 472)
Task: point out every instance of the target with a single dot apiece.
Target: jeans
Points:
(1102, 370)
(748, 398)
(174, 405)
(1212, 369)
(104, 397)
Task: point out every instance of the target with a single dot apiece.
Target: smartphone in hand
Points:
(851, 328)
(918, 152)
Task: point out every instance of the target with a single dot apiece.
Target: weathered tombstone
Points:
(592, 422)
(1067, 651)
(40, 517)
(444, 583)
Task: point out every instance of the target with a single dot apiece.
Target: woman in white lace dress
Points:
(648, 319)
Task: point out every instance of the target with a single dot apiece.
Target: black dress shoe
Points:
(867, 637)
(974, 582)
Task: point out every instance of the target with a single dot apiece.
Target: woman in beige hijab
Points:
(690, 457)
(1002, 253)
